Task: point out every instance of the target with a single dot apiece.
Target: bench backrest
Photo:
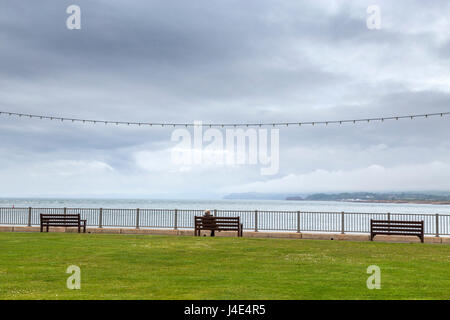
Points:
(218, 222)
(60, 218)
(397, 226)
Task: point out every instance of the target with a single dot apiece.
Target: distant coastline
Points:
(367, 197)
(384, 201)
(433, 198)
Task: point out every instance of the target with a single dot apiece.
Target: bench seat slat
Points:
(61, 219)
(398, 225)
(396, 221)
(397, 231)
(218, 224)
(395, 228)
(225, 228)
(219, 221)
(403, 234)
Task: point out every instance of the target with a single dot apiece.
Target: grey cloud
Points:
(233, 61)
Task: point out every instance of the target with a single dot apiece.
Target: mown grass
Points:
(33, 266)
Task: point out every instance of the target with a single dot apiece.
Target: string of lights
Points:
(223, 125)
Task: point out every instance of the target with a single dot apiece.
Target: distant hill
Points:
(440, 197)
(259, 196)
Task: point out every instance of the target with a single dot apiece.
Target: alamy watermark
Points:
(74, 281)
(236, 147)
(73, 22)
(374, 281)
(373, 21)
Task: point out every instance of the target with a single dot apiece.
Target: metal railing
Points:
(293, 221)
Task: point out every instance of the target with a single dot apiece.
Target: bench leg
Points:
(48, 226)
(42, 227)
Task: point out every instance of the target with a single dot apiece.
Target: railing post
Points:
(175, 222)
(256, 220)
(29, 216)
(342, 223)
(298, 221)
(437, 224)
(137, 218)
(389, 219)
(100, 218)
(65, 210)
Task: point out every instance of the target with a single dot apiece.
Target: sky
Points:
(223, 61)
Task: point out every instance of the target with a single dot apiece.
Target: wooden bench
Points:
(397, 228)
(218, 224)
(62, 220)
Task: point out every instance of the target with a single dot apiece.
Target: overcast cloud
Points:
(223, 61)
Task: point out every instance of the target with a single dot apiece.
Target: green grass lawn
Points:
(33, 266)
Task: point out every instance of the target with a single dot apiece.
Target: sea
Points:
(262, 205)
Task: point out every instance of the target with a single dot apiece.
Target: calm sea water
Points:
(272, 205)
